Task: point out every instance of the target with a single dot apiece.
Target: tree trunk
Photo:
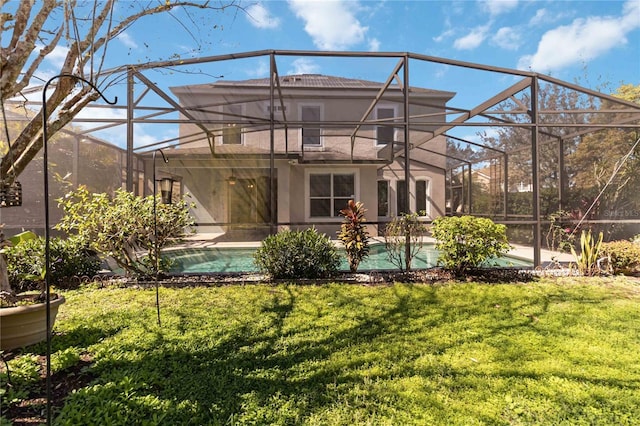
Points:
(4, 276)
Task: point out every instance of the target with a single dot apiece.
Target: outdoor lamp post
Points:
(47, 248)
(155, 226)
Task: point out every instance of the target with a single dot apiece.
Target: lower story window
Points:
(422, 197)
(383, 198)
(401, 197)
(329, 193)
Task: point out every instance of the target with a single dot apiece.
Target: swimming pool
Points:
(235, 259)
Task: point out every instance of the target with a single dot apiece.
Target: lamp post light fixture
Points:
(156, 251)
(47, 246)
(166, 189)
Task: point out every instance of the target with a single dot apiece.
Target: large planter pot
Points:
(26, 325)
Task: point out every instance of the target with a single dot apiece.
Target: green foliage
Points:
(623, 256)
(297, 254)
(122, 226)
(560, 236)
(403, 239)
(466, 242)
(552, 352)
(20, 380)
(22, 237)
(353, 233)
(69, 259)
(588, 259)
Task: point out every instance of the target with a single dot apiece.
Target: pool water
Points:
(233, 259)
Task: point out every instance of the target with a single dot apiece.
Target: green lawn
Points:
(563, 351)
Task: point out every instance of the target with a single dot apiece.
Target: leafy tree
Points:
(590, 156)
(35, 31)
(122, 226)
(610, 156)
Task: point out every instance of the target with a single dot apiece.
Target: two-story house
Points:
(298, 149)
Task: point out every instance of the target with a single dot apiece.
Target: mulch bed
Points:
(428, 276)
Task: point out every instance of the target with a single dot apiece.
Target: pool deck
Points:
(518, 251)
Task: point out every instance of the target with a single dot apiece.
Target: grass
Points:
(562, 351)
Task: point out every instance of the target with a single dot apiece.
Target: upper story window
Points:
(330, 192)
(232, 129)
(311, 134)
(385, 134)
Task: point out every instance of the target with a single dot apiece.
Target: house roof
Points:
(309, 81)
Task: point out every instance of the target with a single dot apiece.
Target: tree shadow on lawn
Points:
(277, 372)
(267, 373)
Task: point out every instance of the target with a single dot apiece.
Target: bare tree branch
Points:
(85, 57)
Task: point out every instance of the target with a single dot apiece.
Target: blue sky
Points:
(592, 42)
(561, 38)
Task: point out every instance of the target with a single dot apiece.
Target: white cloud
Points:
(497, 7)
(57, 56)
(261, 70)
(507, 38)
(473, 39)
(331, 24)
(126, 39)
(260, 17)
(445, 34)
(448, 31)
(582, 40)
(540, 17)
(374, 45)
(304, 66)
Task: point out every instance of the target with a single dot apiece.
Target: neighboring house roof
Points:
(309, 81)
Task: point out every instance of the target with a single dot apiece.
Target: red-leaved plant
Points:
(353, 233)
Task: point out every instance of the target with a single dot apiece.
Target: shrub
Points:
(297, 254)
(353, 234)
(122, 226)
(403, 240)
(466, 242)
(623, 256)
(69, 259)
